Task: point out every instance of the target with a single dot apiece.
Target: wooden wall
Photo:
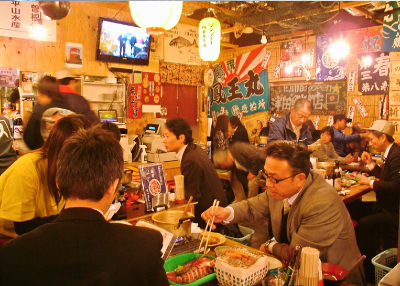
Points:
(81, 26)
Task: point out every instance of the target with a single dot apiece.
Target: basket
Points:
(246, 239)
(384, 262)
(228, 275)
(172, 263)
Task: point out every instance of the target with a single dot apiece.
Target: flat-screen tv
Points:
(122, 42)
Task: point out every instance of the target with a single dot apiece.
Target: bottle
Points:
(337, 178)
(329, 179)
(293, 267)
(143, 155)
(18, 127)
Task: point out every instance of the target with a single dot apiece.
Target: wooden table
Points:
(356, 192)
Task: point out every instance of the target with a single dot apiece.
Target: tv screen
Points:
(108, 115)
(122, 42)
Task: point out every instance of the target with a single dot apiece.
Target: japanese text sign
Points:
(373, 78)
(135, 102)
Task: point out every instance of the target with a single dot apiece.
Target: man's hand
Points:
(220, 215)
(362, 180)
(349, 159)
(250, 176)
(366, 158)
(364, 135)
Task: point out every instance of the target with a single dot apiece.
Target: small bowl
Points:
(314, 147)
(333, 274)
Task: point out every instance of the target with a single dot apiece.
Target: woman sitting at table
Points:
(29, 196)
(327, 152)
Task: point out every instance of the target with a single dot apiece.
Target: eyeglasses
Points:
(301, 117)
(275, 181)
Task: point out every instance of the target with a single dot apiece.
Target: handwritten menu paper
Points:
(167, 236)
(153, 182)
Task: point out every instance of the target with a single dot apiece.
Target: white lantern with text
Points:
(209, 39)
(156, 16)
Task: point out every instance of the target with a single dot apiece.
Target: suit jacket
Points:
(388, 187)
(81, 248)
(318, 218)
(201, 181)
(248, 156)
(240, 135)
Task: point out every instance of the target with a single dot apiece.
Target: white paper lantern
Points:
(209, 39)
(156, 16)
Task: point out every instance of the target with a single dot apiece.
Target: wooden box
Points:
(134, 210)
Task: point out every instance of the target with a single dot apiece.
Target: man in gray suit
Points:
(314, 215)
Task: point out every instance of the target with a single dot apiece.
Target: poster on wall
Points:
(390, 33)
(329, 68)
(9, 77)
(291, 53)
(156, 48)
(181, 45)
(135, 101)
(241, 84)
(326, 98)
(18, 18)
(151, 88)
(351, 111)
(73, 55)
(373, 78)
(254, 125)
(370, 39)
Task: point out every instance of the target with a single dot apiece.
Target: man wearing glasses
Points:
(293, 127)
(301, 208)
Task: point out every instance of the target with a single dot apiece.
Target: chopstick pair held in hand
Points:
(214, 207)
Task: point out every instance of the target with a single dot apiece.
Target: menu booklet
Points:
(153, 182)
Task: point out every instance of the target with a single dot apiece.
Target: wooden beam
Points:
(229, 45)
(367, 13)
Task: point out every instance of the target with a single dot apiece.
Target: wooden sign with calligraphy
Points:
(394, 112)
(326, 98)
(395, 67)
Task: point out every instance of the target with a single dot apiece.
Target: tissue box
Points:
(134, 210)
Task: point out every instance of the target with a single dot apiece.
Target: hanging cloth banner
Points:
(328, 68)
(373, 78)
(176, 73)
(390, 34)
(241, 84)
(135, 103)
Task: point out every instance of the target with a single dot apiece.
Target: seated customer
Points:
(28, 193)
(327, 153)
(80, 247)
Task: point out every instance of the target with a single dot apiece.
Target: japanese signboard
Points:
(328, 67)
(135, 102)
(241, 84)
(390, 34)
(394, 98)
(373, 78)
(17, 18)
(291, 53)
(383, 107)
(181, 45)
(395, 67)
(360, 106)
(316, 121)
(394, 112)
(153, 182)
(351, 81)
(351, 111)
(326, 98)
(151, 88)
(330, 121)
(394, 81)
(371, 40)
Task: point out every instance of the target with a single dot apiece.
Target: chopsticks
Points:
(214, 207)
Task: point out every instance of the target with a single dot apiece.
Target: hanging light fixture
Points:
(209, 37)
(156, 16)
(340, 49)
(264, 38)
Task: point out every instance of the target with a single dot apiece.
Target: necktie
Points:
(286, 206)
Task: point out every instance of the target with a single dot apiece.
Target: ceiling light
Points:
(156, 16)
(209, 39)
(38, 32)
(288, 69)
(305, 59)
(264, 38)
(367, 60)
(55, 10)
(340, 49)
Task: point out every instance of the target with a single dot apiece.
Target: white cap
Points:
(64, 73)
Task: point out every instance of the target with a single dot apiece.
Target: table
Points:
(356, 192)
(360, 166)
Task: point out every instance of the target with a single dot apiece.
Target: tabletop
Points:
(356, 192)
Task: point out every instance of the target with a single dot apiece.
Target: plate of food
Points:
(215, 238)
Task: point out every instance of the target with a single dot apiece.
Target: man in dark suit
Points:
(81, 247)
(240, 131)
(200, 177)
(384, 222)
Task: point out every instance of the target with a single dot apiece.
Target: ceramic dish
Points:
(214, 236)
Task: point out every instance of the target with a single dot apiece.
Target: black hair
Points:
(48, 85)
(328, 129)
(65, 80)
(379, 134)
(234, 120)
(178, 126)
(296, 155)
(112, 128)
